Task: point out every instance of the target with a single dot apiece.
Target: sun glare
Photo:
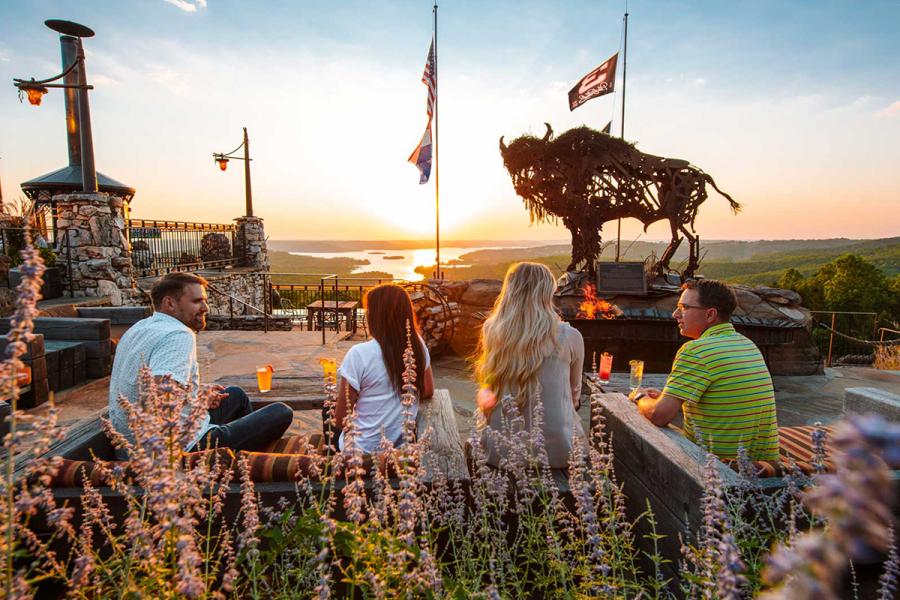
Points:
(415, 216)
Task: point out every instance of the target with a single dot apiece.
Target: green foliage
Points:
(847, 284)
(763, 269)
(48, 256)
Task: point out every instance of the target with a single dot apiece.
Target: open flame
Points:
(593, 307)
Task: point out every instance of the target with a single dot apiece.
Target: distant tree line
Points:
(848, 283)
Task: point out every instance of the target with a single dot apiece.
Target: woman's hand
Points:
(486, 400)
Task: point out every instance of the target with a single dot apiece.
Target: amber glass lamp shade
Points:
(35, 94)
(223, 163)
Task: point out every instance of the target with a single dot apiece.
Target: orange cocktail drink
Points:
(329, 369)
(264, 378)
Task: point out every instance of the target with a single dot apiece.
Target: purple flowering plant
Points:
(394, 525)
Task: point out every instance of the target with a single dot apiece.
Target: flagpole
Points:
(624, 75)
(624, 72)
(437, 172)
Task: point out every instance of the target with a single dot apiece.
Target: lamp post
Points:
(75, 83)
(222, 160)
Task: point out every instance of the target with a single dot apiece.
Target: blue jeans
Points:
(237, 426)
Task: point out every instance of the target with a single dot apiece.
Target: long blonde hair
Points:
(520, 332)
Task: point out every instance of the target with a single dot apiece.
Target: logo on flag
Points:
(421, 156)
(598, 82)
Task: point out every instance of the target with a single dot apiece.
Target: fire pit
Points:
(642, 327)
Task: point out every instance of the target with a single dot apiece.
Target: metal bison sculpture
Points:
(587, 178)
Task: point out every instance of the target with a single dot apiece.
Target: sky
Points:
(792, 106)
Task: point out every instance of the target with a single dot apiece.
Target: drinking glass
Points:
(264, 378)
(637, 374)
(606, 360)
(329, 369)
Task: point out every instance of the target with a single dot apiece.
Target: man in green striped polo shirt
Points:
(719, 379)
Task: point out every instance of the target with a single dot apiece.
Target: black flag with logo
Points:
(598, 82)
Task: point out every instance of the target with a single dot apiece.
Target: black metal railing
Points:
(318, 301)
(159, 247)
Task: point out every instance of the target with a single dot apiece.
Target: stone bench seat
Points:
(660, 466)
(93, 334)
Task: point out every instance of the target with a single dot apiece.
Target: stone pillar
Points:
(91, 234)
(251, 240)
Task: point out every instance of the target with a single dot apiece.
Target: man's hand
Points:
(658, 408)
(216, 394)
(641, 392)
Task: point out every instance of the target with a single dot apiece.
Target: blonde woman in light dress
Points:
(527, 352)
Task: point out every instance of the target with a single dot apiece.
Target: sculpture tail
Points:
(735, 205)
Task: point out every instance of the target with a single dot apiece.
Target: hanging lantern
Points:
(223, 163)
(35, 92)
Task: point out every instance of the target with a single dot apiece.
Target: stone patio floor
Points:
(800, 400)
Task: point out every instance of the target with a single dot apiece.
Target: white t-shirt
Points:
(379, 402)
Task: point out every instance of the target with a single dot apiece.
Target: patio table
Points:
(316, 311)
(300, 392)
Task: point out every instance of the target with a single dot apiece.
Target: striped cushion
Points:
(296, 444)
(269, 466)
(224, 456)
(794, 443)
(73, 473)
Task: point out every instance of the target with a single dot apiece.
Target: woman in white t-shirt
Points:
(371, 374)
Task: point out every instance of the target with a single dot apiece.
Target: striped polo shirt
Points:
(727, 391)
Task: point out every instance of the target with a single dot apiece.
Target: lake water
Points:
(401, 268)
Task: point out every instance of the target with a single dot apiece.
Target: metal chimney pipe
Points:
(88, 170)
(69, 48)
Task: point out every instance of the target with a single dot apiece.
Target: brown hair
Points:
(714, 294)
(388, 310)
(173, 284)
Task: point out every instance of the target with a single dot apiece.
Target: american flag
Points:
(429, 78)
(421, 156)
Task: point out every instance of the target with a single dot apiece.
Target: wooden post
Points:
(831, 339)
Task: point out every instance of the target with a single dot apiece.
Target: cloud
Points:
(890, 111)
(861, 101)
(700, 81)
(187, 5)
(104, 80)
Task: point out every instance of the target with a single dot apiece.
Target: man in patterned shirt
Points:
(719, 380)
(166, 342)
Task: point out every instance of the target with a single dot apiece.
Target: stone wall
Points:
(244, 284)
(92, 230)
(247, 323)
(251, 239)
